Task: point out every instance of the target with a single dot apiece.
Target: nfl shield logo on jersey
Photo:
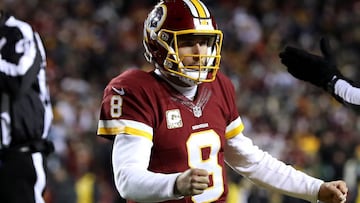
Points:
(197, 111)
(173, 119)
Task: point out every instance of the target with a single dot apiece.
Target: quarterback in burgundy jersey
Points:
(175, 128)
(184, 133)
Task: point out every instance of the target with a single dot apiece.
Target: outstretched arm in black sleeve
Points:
(322, 72)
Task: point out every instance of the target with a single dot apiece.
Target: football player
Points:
(176, 127)
(322, 72)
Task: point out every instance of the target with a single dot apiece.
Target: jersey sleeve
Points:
(234, 123)
(125, 108)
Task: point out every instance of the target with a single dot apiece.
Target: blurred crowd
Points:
(90, 41)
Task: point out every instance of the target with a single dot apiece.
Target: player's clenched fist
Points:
(192, 182)
(333, 192)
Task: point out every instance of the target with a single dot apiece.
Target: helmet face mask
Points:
(173, 24)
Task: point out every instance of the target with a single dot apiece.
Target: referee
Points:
(25, 112)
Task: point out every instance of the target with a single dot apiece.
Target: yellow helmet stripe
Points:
(198, 7)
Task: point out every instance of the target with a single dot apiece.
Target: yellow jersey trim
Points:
(232, 133)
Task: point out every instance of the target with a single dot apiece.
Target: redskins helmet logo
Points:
(156, 18)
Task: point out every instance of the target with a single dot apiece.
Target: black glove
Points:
(315, 69)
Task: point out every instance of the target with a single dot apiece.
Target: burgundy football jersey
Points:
(185, 134)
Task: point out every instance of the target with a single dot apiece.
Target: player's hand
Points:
(333, 192)
(192, 182)
(318, 70)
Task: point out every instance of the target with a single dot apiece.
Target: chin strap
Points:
(188, 81)
(166, 75)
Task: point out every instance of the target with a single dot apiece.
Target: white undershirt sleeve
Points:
(268, 172)
(347, 92)
(130, 159)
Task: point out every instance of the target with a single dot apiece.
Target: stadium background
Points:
(90, 41)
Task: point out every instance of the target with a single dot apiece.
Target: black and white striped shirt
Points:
(25, 107)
